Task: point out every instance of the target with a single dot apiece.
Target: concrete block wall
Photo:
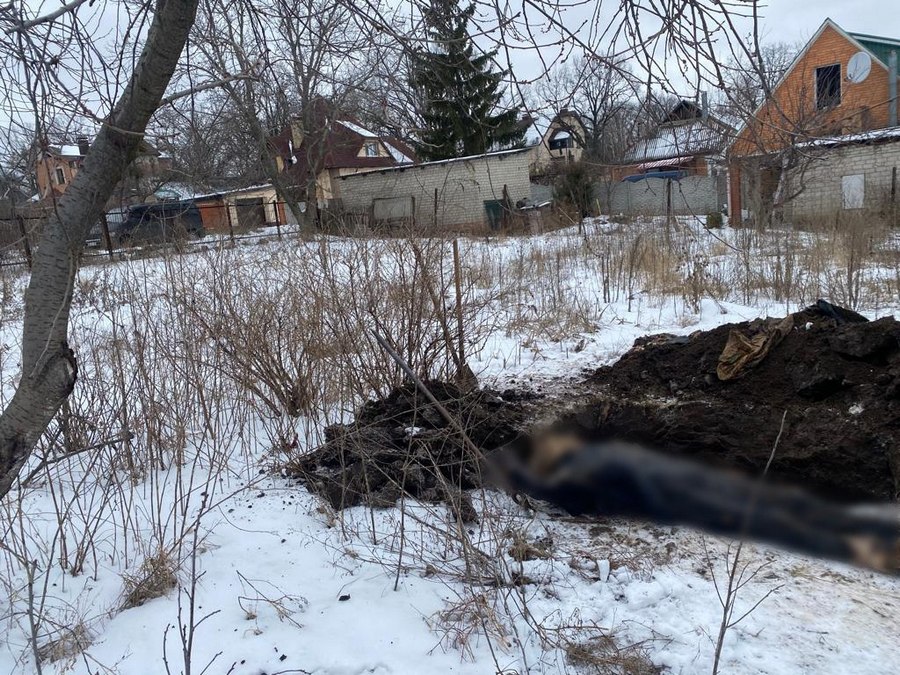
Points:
(462, 188)
(692, 195)
(820, 181)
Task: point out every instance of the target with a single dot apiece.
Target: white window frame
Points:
(60, 176)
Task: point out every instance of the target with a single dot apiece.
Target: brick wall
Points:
(821, 185)
(792, 110)
(462, 188)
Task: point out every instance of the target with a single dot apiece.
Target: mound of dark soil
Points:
(833, 376)
(837, 379)
(403, 443)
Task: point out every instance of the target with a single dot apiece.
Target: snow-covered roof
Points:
(223, 193)
(697, 137)
(891, 133)
(176, 191)
(672, 161)
(362, 131)
(397, 155)
(68, 151)
(468, 158)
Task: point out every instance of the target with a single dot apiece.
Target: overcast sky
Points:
(790, 20)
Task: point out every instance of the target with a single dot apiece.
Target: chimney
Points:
(704, 105)
(892, 89)
(83, 144)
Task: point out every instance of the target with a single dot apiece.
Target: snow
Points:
(273, 564)
(362, 131)
(397, 155)
(69, 151)
(467, 158)
(888, 134)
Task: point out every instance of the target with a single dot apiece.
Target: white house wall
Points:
(846, 178)
(462, 188)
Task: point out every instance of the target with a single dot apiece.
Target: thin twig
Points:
(731, 590)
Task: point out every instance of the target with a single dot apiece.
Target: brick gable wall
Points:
(792, 110)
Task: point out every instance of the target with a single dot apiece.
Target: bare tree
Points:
(49, 367)
(603, 93)
(58, 66)
(747, 84)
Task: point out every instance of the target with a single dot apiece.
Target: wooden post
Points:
(434, 224)
(104, 226)
(669, 215)
(277, 218)
(893, 195)
(26, 245)
(507, 208)
(457, 278)
(230, 223)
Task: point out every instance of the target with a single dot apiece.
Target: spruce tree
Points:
(459, 93)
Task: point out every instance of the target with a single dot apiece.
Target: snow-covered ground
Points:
(272, 581)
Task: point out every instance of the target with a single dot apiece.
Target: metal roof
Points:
(880, 47)
(697, 137)
(422, 165)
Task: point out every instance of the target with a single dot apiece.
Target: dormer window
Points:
(371, 149)
(828, 86)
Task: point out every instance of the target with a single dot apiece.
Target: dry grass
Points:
(196, 368)
(157, 575)
(71, 641)
(602, 655)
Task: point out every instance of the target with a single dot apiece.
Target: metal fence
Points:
(20, 232)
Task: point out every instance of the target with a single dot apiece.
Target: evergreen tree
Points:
(459, 93)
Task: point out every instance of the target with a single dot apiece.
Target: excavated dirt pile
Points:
(834, 374)
(403, 442)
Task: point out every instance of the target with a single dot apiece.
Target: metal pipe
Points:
(892, 89)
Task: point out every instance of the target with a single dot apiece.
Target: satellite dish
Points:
(859, 67)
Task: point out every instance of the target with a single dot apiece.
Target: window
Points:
(561, 140)
(828, 86)
(60, 176)
(371, 149)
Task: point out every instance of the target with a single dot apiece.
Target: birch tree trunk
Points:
(49, 367)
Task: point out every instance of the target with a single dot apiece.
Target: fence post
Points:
(435, 221)
(104, 225)
(277, 218)
(669, 216)
(26, 245)
(893, 194)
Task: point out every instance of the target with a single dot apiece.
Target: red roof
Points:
(336, 143)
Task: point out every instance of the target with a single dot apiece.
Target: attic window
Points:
(371, 149)
(60, 176)
(828, 86)
(561, 140)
